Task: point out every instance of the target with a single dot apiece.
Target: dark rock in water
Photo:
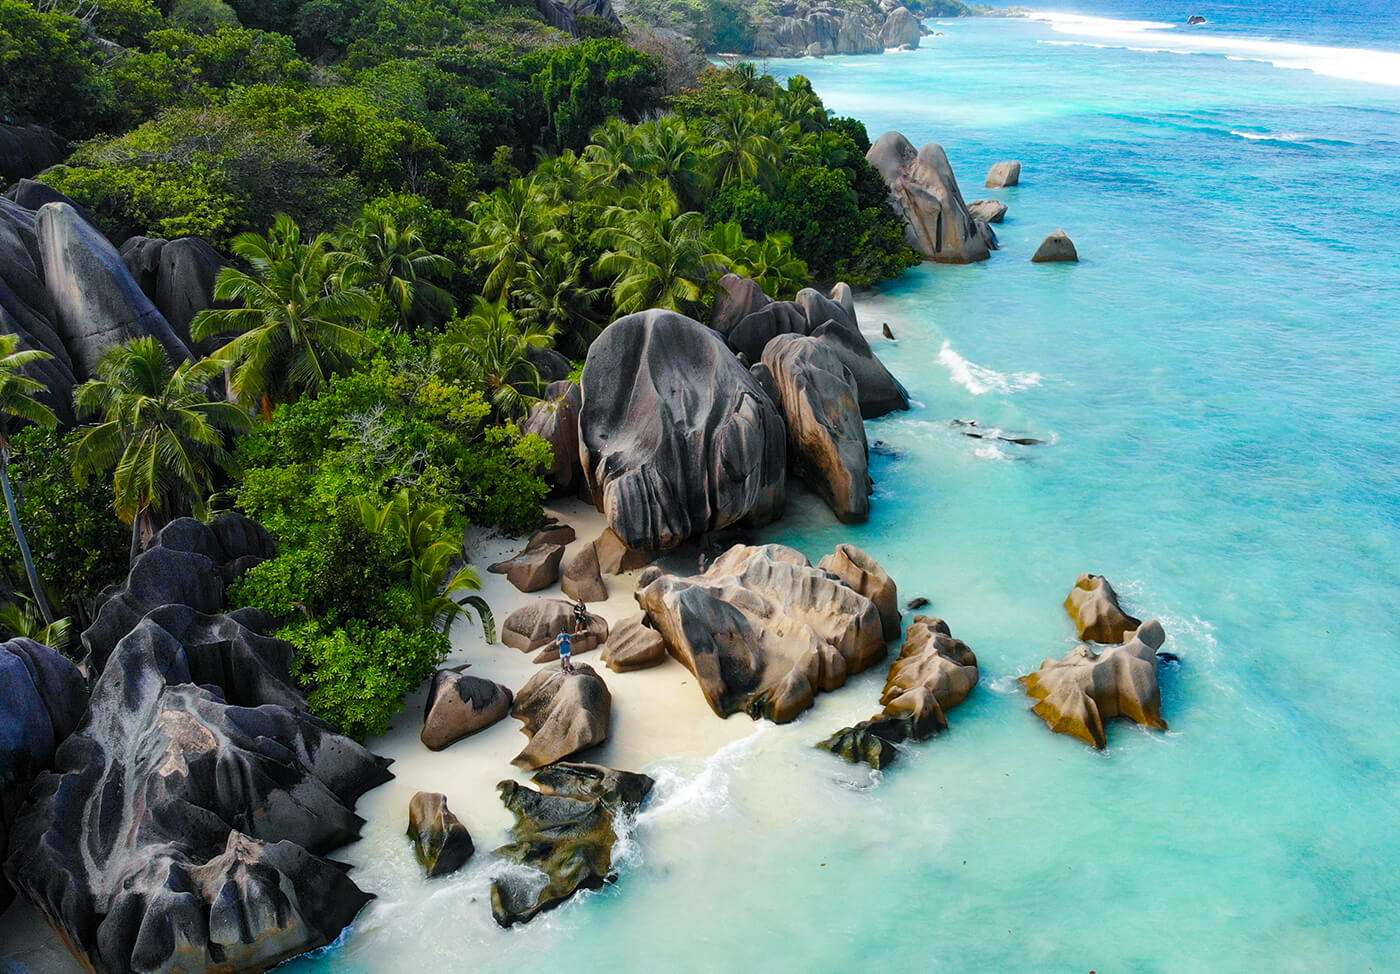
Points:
(973, 429)
(736, 298)
(534, 568)
(993, 211)
(924, 192)
(1168, 659)
(1079, 694)
(689, 443)
(532, 626)
(885, 449)
(633, 645)
(28, 149)
(562, 713)
(42, 699)
(918, 603)
(934, 673)
(554, 419)
(186, 563)
(551, 365)
(1056, 248)
(459, 705)
(864, 574)
(1195, 19)
(885, 328)
(1093, 605)
(440, 841)
(565, 832)
(184, 825)
(1004, 174)
(989, 236)
(763, 630)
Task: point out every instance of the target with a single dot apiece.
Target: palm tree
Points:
(657, 259)
(493, 349)
(669, 153)
(739, 148)
(394, 260)
(511, 227)
(296, 316)
(17, 402)
(615, 155)
(20, 620)
(158, 432)
(552, 298)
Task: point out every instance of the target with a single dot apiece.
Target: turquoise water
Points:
(1218, 383)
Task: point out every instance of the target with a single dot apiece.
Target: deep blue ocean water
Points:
(1218, 383)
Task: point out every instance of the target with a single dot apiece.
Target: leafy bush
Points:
(49, 72)
(584, 84)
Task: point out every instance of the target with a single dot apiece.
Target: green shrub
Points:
(49, 72)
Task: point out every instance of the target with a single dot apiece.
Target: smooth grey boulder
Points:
(459, 705)
(1056, 248)
(633, 645)
(534, 568)
(879, 391)
(554, 419)
(736, 298)
(28, 149)
(992, 211)
(185, 824)
(42, 700)
(924, 192)
(178, 275)
(689, 443)
(551, 365)
(866, 575)
(441, 842)
(26, 309)
(31, 194)
(753, 333)
(1004, 174)
(826, 435)
(562, 714)
(764, 376)
(858, 35)
(901, 30)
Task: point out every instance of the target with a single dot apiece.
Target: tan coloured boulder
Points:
(534, 568)
(1093, 605)
(864, 574)
(614, 555)
(1004, 174)
(532, 626)
(924, 192)
(993, 211)
(1079, 694)
(562, 713)
(633, 645)
(441, 842)
(582, 578)
(553, 533)
(459, 705)
(933, 674)
(762, 630)
(1056, 248)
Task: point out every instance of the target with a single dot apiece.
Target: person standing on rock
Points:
(580, 617)
(566, 651)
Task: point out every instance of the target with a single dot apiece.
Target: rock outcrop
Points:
(864, 574)
(736, 298)
(1079, 694)
(554, 419)
(441, 842)
(1004, 174)
(532, 626)
(934, 673)
(583, 578)
(563, 14)
(534, 568)
(901, 29)
(822, 30)
(992, 211)
(42, 700)
(762, 630)
(459, 705)
(185, 824)
(924, 192)
(826, 435)
(551, 365)
(178, 276)
(562, 714)
(565, 831)
(633, 645)
(28, 149)
(1093, 605)
(689, 443)
(1056, 248)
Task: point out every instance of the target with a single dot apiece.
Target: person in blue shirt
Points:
(566, 651)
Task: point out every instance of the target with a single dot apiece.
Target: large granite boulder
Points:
(753, 333)
(562, 714)
(902, 29)
(582, 577)
(633, 645)
(1056, 249)
(178, 276)
(564, 14)
(933, 674)
(534, 568)
(1079, 694)
(826, 435)
(992, 211)
(879, 391)
(1093, 605)
(459, 705)
(736, 298)
(858, 34)
(28, 149)
(186, 563)
(564, 833)
(551, 365)
(924, 192)
(689, 443)
(532, 626)
(1004, 174)
(762, 630)
(441, 842)
(554, 419)
(864, 574)
(185, 824)
(26, 309)
(42, 699)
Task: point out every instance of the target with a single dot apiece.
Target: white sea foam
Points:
(1351, 63)
(978, 379)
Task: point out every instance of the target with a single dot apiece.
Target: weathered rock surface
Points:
(184, 825)
(28, 149)
(901, 30)
(534, 568)
(989, 236)
(924, 192)
(1093, 605)
(616, 557)
(564, 14)
(554, 419)
(1004, 174)
(762, 630)
(879, 391)
(562, 713)
(441, 842)
(1056, 248)
(566, 831)
(459, 705)
(993, 211)
(933, 674)
(864, 574)
(736, 298)
(553, 533)
(1079, 694)
(753, 333)
(178, 275)
(689, 443)
(185, 563)
(532, 626)
(826, 435)
(633, 645)
(583, 578)
(42, 699)
(550, 364)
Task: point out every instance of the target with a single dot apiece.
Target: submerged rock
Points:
(933, 674)
(762, 630)
(459, 705)
(562, 713)
(1093, 605)
(1004, 174)
(864, 574)
(441, 842)
(633, 645)
(564, 833)
(924, 192)
(1056, 248)
(1079, 694)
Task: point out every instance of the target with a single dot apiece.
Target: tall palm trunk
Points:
(40, 599)
(141, 531)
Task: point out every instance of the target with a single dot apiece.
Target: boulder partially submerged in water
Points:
(864, 574)
(1093, 605)
(441, 842)
(933, 674)
(1004, 174)
(763, 630)
(992, 211)
(564, 834)
(1079, 694)
(1056, 248)
(562, 714)
(459, 705)
(924, 192)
